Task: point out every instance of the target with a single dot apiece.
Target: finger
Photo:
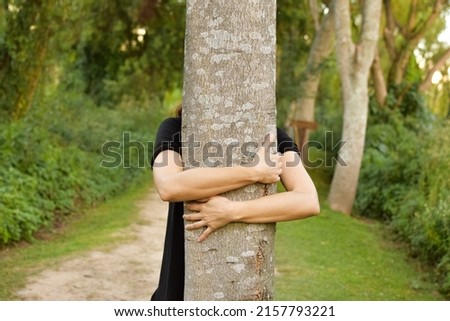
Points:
(194, 207)
(205, 234)
(280, 165)
(273, 137)
(192, 217)
(276, 159)
(194, 226)
(203, 200)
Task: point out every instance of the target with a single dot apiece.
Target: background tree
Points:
(302, 108)
(406, 28)
(229, 99)
(295, 31)
(354, 61)
(23, 52)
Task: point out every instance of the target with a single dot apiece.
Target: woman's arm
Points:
(299, 201)
(175, 184)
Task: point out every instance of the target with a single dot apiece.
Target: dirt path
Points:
(128, 272)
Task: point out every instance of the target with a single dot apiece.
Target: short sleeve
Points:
(285, 143)
(168, 137)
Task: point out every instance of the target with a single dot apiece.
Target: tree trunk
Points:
(354, 65)
(228, 108)
(302, 110)
(378, 80)
(25, 98)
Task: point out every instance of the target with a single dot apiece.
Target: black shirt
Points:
(171, 279)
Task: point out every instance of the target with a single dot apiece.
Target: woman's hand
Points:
(266, 164)
(212, 213)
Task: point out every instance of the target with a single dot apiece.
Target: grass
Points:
(338, 257)
(94, 228)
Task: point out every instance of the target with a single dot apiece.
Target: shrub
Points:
(48, 173)
(404, 181)
(19, 206)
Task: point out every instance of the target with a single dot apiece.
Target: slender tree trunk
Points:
(25, 98)
(354, 63)
(302, 110)
(228, 108)
(378, 80)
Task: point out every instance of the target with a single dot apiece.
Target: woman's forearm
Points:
(198, 183)
(278, 207)
(175, 184)
(298, 202)
(218, 211)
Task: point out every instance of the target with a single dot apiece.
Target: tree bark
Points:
(378, 80)
(228, 108)
(354, 63)
(315, 13)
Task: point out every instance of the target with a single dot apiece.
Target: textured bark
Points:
(229, 99)
(354, 65)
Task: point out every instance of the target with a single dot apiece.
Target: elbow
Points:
(314, 205)
(309, 208)
(166, 193)
(165, 197)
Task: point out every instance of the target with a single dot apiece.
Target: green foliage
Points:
(391, 149)
(430, 231)
(295, 32)
(46, 174)
(404, 181)
(19, 208)
(74, 76)
(35, 178)
(144, 50)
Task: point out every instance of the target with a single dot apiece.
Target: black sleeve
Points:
(285, 143)
(167, 137)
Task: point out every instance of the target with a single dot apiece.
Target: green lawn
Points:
(336, 257)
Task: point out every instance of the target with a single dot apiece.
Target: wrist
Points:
(252, 175)
(236, 211)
